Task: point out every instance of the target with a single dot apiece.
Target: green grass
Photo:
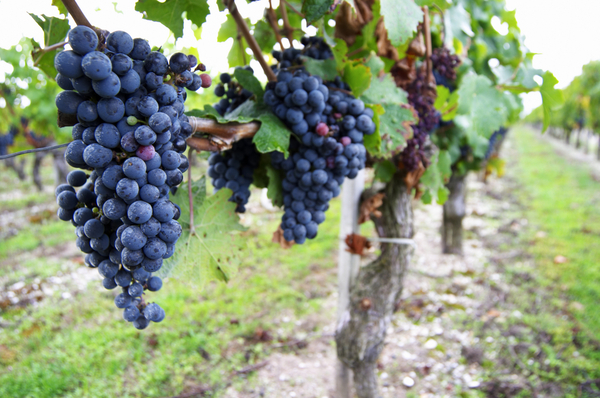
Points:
(82, 348)
(563, 200)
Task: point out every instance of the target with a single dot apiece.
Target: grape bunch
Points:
(495, 139)
(413, 154)
(231, 92)
(129, 102)
(330, 127)
(7, 140)
(314, 47)
(444, 67)
(234, 169)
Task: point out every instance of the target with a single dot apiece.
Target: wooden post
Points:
(348, 265)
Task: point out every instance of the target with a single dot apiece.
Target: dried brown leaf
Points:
(278, 238)
(368, 208)
(357, 244)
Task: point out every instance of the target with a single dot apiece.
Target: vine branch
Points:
(292, 8)
(221, 136)
(239, 20)
(287, 28)
(44, 50)
(428, 50)
(272, 19)
(43, 149)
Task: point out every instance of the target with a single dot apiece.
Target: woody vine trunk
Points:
(454, 212)
(362, 327)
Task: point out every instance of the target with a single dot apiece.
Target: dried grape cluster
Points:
(444, 67)
(129, 102)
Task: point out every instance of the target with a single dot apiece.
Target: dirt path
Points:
(431, 350)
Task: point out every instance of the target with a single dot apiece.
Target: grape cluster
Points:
(413, 154)
(330, 127)
(494, 140)
(314, 47)
(234, 169)
(231, 92)
(7, 140)
(444, 66)
(131, 135)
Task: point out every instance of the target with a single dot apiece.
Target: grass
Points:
(81, 347)
(562, 201)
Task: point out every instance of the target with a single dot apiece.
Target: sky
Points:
(563, 33)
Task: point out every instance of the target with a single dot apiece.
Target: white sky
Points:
(564, 33)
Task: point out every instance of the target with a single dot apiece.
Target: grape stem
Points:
(43, 149)
(427, 33)
(76, 13)
(190, 198)
(272, 19)
(292, 8)
(44, 50)
(239, 20)
(287, 28)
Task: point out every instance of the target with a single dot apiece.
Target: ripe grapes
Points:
(130, 140)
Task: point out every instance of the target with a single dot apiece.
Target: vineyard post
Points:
(348, 265)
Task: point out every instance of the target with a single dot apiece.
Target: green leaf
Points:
(237, 55)
(435, 177)
(227, 30)
(61, 7)
(384, 171)
(383, 90)
(401, 18)
(395, 127)
(358, 78)
(481, 106)
(170, 12)
(458, 22)
(373, 142)
(209, 112)
(274, 189)
(552, 98)
(324, 68)
(55, 29)
(249, 82)
(213, 249)
(446, 103)
(375, 63)
(273, 135)
(340, 54)
(264, 36)
(315, 9)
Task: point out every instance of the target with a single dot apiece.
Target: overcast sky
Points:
(564, 33)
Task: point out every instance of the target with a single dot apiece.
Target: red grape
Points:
(322, 129)
(345, 141)
(206, 80)
(145, 152)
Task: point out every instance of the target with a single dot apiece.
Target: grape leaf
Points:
(384, 171)
(395, 127)
(482, 105)
(401, 18)
(372, 142)
(273, 135)
(274, 189)
(55, 31)
(383, 90)
(214, 248)
(264, 36)
(340, 54)
(551, 97)
(358, 78)
(250, 83)
(61, 7)
(324, 68)
(315, 9)
(170, 12)
(458, 22)
(228, 29)
(237, 55)
(375, 63)
(435, 177)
